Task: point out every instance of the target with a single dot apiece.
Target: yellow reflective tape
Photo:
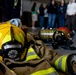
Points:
(64, 63)
(57, 61)
(6, 39)
(31, 57)
(30, 49)
(61, 63)
(44, 72)
(12, 71)
(0, 34)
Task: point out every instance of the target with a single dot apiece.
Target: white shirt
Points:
(45, 13)
(71, 8)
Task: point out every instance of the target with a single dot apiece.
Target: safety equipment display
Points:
(46, 34)
(12, 40)
(65, 30)
(59, 38)
(56, 37)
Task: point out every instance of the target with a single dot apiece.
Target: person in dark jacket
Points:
(46, 16)
(41, 15)
(61, 13)
(52, 11)
(11, 9)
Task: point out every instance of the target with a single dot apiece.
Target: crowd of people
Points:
(55, 15)
(51, 15)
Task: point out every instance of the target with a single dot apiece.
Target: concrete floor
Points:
(60, 50)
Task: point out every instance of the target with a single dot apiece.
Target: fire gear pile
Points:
(58, 37)
(35, 59)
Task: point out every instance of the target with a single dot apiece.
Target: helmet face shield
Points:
(12, 50)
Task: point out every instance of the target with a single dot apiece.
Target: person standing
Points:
(61, 13)
(11, 9)
(71, 13)
(52, 11)
(34, 15)
(41, 15)
(46, 16)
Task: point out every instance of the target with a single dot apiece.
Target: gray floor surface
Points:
(60, 50)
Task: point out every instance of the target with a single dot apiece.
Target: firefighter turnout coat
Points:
(38, 59)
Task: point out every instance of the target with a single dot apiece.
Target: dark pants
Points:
(41, 21)
(61, 20)
(70, 22)
(51, 20)
(45, 22)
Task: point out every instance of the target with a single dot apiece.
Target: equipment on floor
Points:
(46, 34)
(57, 37)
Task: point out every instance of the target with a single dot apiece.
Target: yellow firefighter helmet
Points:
(12, 40)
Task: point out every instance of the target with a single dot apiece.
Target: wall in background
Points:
(27, 4)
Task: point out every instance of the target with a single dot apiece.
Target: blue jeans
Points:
(41, 22)
(51, 20)
(61, 20)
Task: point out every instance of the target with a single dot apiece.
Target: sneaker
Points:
(50, 28)
(42, 28)
(33, 28)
